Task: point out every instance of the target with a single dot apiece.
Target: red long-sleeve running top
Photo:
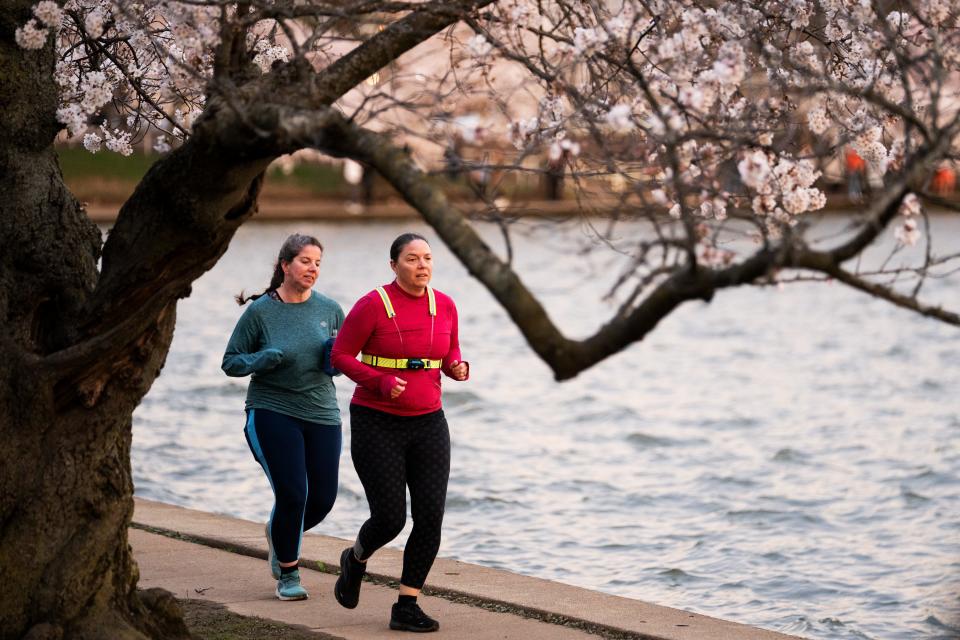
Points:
(411, 333)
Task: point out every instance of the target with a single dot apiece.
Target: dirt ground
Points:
(211, 621)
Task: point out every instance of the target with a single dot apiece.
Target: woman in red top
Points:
(407, 334)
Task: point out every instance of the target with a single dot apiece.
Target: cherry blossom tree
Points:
(719, 125)
(698, 138)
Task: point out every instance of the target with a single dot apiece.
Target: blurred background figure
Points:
(360, 178)
(856, 169)
(944, 181)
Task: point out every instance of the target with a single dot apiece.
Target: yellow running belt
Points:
(397, 363)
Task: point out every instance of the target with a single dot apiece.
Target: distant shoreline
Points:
(279, 210)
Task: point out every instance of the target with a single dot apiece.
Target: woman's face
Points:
(414, 265)
(301, 272)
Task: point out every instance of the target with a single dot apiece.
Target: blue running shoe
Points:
(288, 587)
(272, 555)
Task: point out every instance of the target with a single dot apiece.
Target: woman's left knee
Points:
(322, 503)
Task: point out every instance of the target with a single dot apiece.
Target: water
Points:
(785, 458)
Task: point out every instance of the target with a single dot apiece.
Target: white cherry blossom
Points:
(754, 169)
(93, 23)
(267, 56)
(117, 141)
(92, 142)
(620, 118)
(478, 46)
(161, 145)
(911, 205)
(907, 232)
(48, 13)
(587, 41)
(522, 131)
(31, 35)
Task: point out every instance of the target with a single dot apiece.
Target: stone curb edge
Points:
(453, 595)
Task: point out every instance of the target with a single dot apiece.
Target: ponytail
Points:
(291, 248)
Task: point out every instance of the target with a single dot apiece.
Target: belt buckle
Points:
(415, 363)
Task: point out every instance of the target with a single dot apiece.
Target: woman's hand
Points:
(269, 359)
(459, 370)
(398, 388)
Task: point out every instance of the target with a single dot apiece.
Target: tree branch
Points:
(187, 207)
(822, 262)
(565, 357)
(173, 228)
(333, 82)
(886, 206)
(479, 259)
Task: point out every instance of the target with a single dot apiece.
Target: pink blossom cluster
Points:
(702, 110)
(908, 231)
(681, 92)
(126, 67)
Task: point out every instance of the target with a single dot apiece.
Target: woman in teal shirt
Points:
(293, 422)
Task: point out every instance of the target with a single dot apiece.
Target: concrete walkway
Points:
(204, 556)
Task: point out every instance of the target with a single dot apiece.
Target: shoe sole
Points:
(288, 598)
(340, 580)
(400, 626)
(274, 571)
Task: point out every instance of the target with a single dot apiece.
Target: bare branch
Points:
(886, 293)
(395, 40)
(887, 204)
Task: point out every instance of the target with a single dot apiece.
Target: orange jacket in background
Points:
(854, 163)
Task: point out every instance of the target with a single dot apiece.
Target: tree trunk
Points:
(68, 386)
(80, 347)
(66, 568)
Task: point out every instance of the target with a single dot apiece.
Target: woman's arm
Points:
(241, 357)
(453, 367)
(328, 367)
(353, 335)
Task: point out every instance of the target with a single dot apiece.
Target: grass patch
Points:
(78, 163)
(84, 171)
(316, 179)
(108, 177)
(212, 621)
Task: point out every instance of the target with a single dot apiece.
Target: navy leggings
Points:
(302, 462)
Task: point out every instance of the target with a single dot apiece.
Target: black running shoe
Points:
(347, 589)
(410, 617)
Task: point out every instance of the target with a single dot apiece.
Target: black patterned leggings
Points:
(391, 453)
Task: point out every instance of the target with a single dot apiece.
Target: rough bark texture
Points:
(77, 354)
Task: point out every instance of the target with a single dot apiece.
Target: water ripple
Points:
(771, 458)
(644, 441)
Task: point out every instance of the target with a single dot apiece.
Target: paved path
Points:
(244, 585)
(221, 559)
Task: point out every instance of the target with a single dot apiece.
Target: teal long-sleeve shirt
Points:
(280, 345)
